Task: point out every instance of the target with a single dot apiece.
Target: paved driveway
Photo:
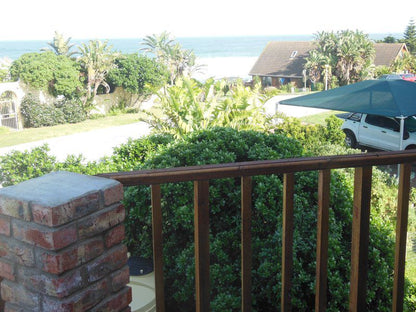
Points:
(92, 144)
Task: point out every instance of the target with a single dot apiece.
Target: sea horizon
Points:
(203, 47)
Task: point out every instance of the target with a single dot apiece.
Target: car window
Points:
(383, 122)
(410, 123)
(355, 116)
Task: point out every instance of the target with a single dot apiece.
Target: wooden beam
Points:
(360, 238)
(322, 240)
(287, 240)
(201, 216)
(401, 236)
(158, 247)
(246, 248)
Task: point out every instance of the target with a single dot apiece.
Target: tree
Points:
(348, 53)
(180, 62)
(60, 45)
(97, 58)
(138, 75)
(57, 74)
(410, 36)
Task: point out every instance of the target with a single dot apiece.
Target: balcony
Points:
(201, 175)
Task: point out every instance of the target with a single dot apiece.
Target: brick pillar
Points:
(61, 245)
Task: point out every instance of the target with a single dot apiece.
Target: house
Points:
(282, 62)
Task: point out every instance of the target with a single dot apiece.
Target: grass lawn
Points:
(319, 118)
(11, 137)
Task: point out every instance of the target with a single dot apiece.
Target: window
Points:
(293, 54)
(383, 122)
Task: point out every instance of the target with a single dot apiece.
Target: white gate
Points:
(8, 110)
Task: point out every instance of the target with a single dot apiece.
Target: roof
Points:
(277, 58)
(386, 53)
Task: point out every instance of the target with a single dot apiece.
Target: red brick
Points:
(15, 208)
(117, 302)
(81, 301)
(17, 294)
(120, 278)
(111, 261)
(57, 263)
(101, 221)
(113, 194)
(17, 251)
(51, 239)
(5, 225)
(115, 236)
(59, 286)
(55, 216)
(7, 270)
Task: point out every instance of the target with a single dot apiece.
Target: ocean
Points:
(220, 56)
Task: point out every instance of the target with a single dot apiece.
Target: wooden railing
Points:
(201, 175)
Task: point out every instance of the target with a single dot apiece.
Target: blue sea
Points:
(222, 56)
(204, 47)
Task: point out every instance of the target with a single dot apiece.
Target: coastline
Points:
(224, 67)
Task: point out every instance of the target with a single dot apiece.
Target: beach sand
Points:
(225, 67)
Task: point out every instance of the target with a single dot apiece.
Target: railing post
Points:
(158, 247)
(287, 248)
(401, 236)
(246, 249)
(360, 238)
(202, 283)
(322, 240)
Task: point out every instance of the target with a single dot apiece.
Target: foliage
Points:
(138, 74)
(60, 45)
(96, 59)
(410, 36)
(180, 62)
(57, 74)
(18, 166)
(189, 106)
(346, 53)
(37, 115)
(222, 145)
(406, 63)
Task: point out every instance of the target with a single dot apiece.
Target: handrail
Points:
(262, 167)
(201, 175)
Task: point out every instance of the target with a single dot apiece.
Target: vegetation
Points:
(189, 106)
(138, 75)
(97, 58)
(60, 45)
(410, 36)
(345, 54)
(56, 74)
(180, 62)
(37, 115)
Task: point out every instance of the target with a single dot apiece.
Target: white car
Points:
(379, 132)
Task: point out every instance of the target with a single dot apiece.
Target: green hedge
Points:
(37, 115)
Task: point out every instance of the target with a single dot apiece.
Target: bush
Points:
(226, 145)
(37, 115)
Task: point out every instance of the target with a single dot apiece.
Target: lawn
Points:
(319, 118)
(12, 137)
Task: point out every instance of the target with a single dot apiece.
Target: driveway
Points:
(93, 145)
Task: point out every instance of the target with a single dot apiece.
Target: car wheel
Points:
(350, 139)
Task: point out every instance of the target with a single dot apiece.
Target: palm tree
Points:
(97, 58)
(180, 62)
(60, 45)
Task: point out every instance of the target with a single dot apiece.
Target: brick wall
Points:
(61, 245)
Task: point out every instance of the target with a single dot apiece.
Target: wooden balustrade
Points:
(201, 175)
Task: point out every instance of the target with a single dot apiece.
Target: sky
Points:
(92, 19)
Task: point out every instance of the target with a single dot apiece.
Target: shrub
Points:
(37, 115)
(227, 145)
